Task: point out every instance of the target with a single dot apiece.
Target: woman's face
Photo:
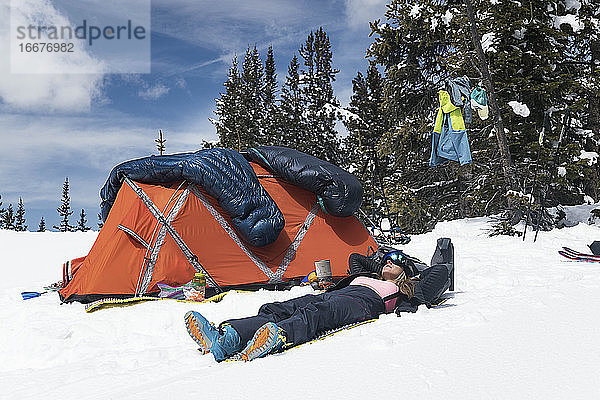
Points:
(390, 271)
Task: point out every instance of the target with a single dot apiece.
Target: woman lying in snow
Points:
(373, 287)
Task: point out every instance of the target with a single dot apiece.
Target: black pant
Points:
(304, 318)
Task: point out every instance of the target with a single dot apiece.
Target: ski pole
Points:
(537, 162)
(31, 295)
(369, 220)
(565, 123)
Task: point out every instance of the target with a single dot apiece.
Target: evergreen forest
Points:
(538, 61)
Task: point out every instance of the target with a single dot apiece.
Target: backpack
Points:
(433, 281)
(438, 278)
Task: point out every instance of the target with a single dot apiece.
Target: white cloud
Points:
(228, 26)
(45, 149)
(360, 12)
(154, 92)
(180, 83)
(44, 92)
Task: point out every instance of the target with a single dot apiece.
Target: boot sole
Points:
(197, 333)
(261, 344)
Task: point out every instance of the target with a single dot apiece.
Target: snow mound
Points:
(522, 323)
(519, 108)
(569, 19)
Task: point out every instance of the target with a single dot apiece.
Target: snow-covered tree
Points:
(292, 125)
(229, 111)
(532, 52)
(42, 225)
(271, 121)
(65, 209)
(100, 222)
(367, 123)
(8, 219)
(424, 42)
(411, 47)
(81, 224)
(580, 20)
(2, 211)
(20, 217)
(316, 79)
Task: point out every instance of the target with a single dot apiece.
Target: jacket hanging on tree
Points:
(449, 139)
(460, 90)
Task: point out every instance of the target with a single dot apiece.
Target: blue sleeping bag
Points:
(339, 192)
(224, 174)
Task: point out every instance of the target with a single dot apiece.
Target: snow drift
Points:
(522, 323)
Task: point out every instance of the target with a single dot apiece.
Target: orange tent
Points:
(165, 233)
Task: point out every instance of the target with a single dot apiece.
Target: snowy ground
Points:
(522, 324)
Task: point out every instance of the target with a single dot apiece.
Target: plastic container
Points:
(197, 289)
(199, 280)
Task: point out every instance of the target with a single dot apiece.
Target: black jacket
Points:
(360, 265)
(363, 266)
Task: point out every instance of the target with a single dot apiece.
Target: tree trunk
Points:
(594, 101)
(594, 110)
(507, 167)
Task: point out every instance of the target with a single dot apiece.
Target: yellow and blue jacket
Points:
(449, 139)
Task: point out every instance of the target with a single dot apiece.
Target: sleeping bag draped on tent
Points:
(222, 173)
(338, 191)
(164, 232)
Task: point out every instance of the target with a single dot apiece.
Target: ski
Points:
(115, 302)
(580, 254)
(574, 257)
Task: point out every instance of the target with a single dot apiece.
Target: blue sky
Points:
(81, 125)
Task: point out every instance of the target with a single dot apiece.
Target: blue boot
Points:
(210, 339)
(229, 340)
(269, 338)
(203, 332)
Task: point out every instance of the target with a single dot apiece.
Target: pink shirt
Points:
(383, 288)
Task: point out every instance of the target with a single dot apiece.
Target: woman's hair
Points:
(405, 284)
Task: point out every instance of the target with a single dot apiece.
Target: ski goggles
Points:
(395, 256)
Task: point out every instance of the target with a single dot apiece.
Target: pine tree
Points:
(229, 110)
(100, 222)
(584, 59)
(42, 226)
(81, 224)
(20, 217)
(367, 124)
(251, 96)
(320, 138)
(484, 71)
(160, 142)
(2, 211)
(532, 57)
(425, 42)
(271, 114)
(8, 219)
(270, 85)
(411, 48)
(65, 210)
(291, 123)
